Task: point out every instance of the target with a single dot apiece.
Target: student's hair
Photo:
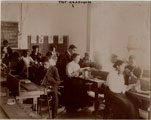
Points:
(118, 63)
(25, 52)
(16, 55)
(49, 54)
(45, 59)
(72, 46)
(132, 57)
(86, 54)
(53, 46)
(114, 56)
(35, 46)
(74, 55)
(5, 41)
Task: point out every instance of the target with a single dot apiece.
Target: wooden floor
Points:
(62, 114)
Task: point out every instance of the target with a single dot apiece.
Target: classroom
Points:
(75, 60)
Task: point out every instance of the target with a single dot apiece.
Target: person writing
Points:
(132, 72)
(116, 92)
(75, 87)
(47, 75)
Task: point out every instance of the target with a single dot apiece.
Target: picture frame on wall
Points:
(60, 40)
(41, 39)
(50, 39)
(33, 39)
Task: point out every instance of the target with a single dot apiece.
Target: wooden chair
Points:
(46, 98)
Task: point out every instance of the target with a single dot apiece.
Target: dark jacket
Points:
(36, 57)
(136, 71)
(62, 62)
(48, 76)
(8, 56)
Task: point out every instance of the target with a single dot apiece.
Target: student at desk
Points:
(51, 60)
(47, 75)
(75, 87)
(24, 64)
(132, 72)
(116, 92)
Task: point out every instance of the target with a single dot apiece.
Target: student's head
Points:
(119, 66)
(35, 48)
(76, 57)
(45, 62)
(53, 48)
(113, 58)
(25, 53)
(87, 56)
(5, 43)
(72, 49)
(49, 55)
(131, 60)
(16, 55)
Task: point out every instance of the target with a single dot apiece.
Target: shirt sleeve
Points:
(69, 70)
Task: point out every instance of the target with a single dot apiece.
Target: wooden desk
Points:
(142, 97)
(96, 83)
(30, 90)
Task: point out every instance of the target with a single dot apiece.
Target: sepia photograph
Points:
(75, 59)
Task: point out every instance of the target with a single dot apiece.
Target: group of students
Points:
(53, 68)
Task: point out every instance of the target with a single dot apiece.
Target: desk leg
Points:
(35, 103)
(96, 104)
(20, 101)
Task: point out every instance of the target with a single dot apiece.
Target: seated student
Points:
(4, 68)
(132, 72)
(6, 49)
(24, 64)
(116, 92)
(51, 60)
(36, 55)
(55, 54)
(75, 88)
(47, 75)
(86, 62)
(14, 61)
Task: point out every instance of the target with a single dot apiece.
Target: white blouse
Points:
(72, 69)
(52, 62)
(27, 60)
(115, 82)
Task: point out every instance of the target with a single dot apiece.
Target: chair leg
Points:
(48, 106)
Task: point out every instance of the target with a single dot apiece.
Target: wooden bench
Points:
(22, 90)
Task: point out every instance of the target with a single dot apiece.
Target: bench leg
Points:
(35, 104)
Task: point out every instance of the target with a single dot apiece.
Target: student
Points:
(47, 75)
(3, 66)
(116, 92)
(132, 72)
(6, 49)
(24, 64)
(52, 62)
(75, 87)
(54, 53)
(85, 62)
(35, 55)
(14, 61)
(64, 59)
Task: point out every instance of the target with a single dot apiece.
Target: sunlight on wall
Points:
(117, 24)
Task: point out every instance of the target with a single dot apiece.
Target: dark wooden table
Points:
(142, 97)
(96, 83)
